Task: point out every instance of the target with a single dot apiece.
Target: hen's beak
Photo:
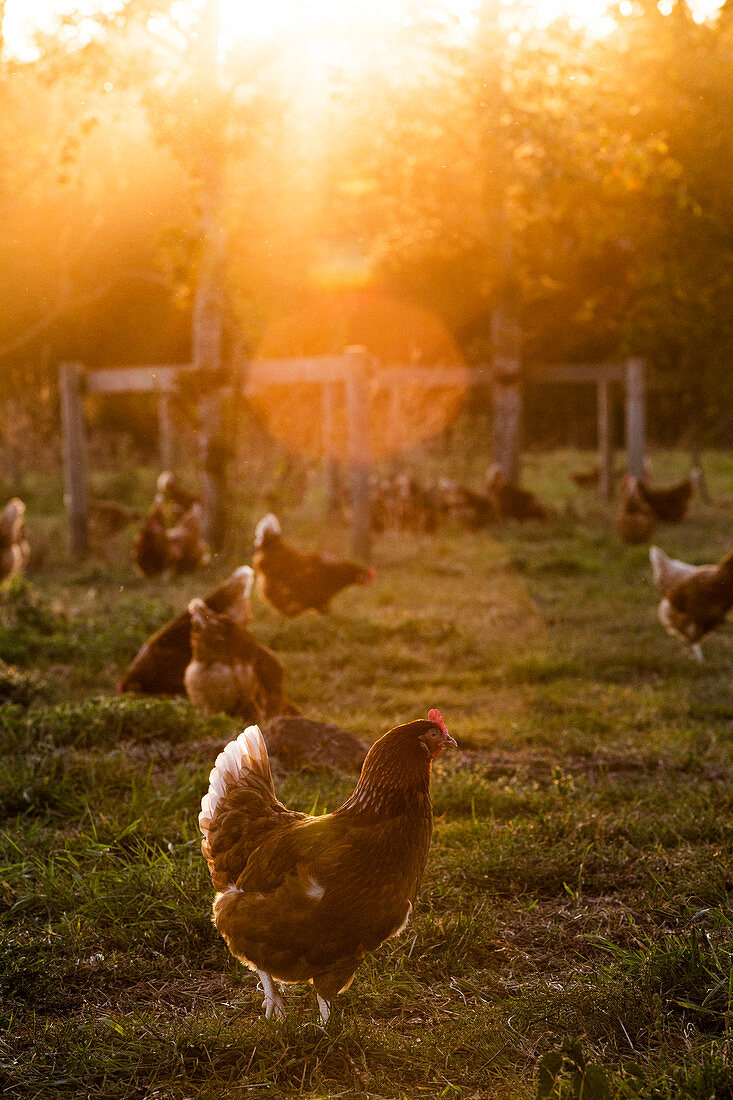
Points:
(447, 742)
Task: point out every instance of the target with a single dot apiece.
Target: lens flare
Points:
(416, 377)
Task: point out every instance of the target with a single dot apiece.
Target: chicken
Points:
(305, 899)
(292, 581)
(469, 508)
(229, 671)
(179, 549)
(14, 548)
(634, 519)
(187, 550)
(150, 549)
(586, 479)
(173, 493)
(671, 504)
(695, 598)
(159, 665)
(413, 507)
(401, 501)
(510, 501)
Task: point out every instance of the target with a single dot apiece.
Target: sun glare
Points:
(242, 19)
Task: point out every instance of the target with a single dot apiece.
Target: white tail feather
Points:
(268, 525)
(666, 571)
(197, 609)
(247, 754)
(246, 575)
(658, 558)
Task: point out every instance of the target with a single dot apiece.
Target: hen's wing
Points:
(279, 570)
(240, 809)
(705, 596)
(316, 897)
(260, 676)
(666, 571)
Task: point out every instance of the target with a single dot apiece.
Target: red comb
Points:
(437, 717)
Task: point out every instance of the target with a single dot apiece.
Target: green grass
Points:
(574, 933)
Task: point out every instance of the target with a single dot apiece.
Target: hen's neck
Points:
(391, 785)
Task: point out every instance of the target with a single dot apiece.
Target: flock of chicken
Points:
(401, 501)
(208, 652)
(694, 599)
(300, 898)
(304, 898)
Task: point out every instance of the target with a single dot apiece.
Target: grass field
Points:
(574, 933)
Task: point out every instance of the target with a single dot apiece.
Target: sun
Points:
(318, 17)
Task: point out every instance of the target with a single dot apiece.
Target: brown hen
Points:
(510, 501)
(305, 899)
(229, 671)
(292, 581)
(695, 598)
(634, 519)
(173, 493)
(670, 504)
(150, 549)
(187, 549)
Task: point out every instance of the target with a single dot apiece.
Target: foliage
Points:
(580, 176)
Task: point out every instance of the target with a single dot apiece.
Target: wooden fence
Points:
(351, 370)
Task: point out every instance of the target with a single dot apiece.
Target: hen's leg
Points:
(273, 1002)
(325, 1009)
(698, 652)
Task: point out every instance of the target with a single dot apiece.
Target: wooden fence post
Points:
(357, 415)
(165, 431)
(76, 499)
(214, 458)
(328, 432)
(635, 415)
(605, 449)
(506, 391)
